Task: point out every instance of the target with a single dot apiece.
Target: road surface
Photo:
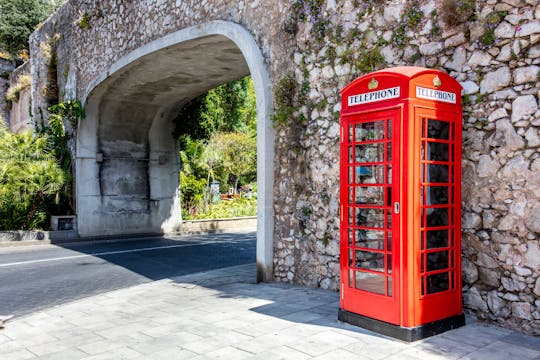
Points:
(43, 276)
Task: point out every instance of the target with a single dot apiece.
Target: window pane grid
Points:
(437, 260)
(370, 211)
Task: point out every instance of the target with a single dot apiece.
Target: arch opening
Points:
(127, 157)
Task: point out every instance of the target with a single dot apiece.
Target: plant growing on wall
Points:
(70, 112)
(285, 92)
(83, 21)
(13, 92)
(456, 12)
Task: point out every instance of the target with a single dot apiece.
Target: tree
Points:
(226, 108)
(19, 18)
(29, 174)
(192, 182)
(238, 154)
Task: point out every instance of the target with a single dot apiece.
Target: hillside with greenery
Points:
(18, 19)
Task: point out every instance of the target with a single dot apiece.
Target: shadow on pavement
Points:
(319, 308)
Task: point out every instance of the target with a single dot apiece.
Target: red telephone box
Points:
(400, 199)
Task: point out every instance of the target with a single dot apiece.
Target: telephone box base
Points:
(399, 332)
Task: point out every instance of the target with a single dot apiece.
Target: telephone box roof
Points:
(408, 72)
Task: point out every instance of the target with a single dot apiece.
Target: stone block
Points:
(470, 87)
(526, 74)
(522, 310)
(532, 255)
(495, 303)
(489, 277)
(469, 271)
(495, 80)
(473, 300)
(528, 28)
(504, 30)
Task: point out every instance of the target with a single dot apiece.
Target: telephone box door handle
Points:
(396, 207)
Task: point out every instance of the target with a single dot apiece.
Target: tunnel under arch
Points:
(127, 159)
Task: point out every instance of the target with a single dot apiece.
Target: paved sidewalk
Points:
(223, 315)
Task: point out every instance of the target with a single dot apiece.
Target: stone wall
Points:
(6, 67)
(20, 118)
(313, 48)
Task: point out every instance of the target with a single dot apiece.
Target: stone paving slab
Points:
(223, 314)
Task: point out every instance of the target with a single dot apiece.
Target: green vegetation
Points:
(229, 208)
(226, 108)
(284, 98)
(18, 19)
(217, 133)
(69, 112)
(492, 21)
(84, 21)
(369, 60)
(29, 179)
(410, 19)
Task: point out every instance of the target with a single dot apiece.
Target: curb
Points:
(18, 238)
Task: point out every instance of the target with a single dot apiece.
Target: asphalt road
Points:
(41, 277)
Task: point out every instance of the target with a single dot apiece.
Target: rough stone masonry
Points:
(312, 49)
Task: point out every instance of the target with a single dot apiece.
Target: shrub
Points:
(224, 209)
(455, 12)
(29, 176)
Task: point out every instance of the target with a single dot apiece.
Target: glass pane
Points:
(369, 260)
(370, 282)
(389, 262)
(351, 175)
(369, 131)
(373, 239)
(370, 174)
(436, 217)
(389, 286)
(389, 241)
(438, 129)
(351, 278)
(435, 195)
(389, 179)
(435, 173)
(389, 151)
(373, 218)
(389, 135)
(351, 157)
(351, 214)
(370, 195)
(388, 196)
(351, 240)
(350, 135)
(437, 239)
(437, 151)
(370, 153)
(437, 283)
(437, 260)
(351, 258)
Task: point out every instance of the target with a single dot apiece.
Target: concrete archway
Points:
(127, 159)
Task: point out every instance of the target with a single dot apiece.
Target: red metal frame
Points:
(419, 294)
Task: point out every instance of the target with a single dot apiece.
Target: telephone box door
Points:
(370, 214)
